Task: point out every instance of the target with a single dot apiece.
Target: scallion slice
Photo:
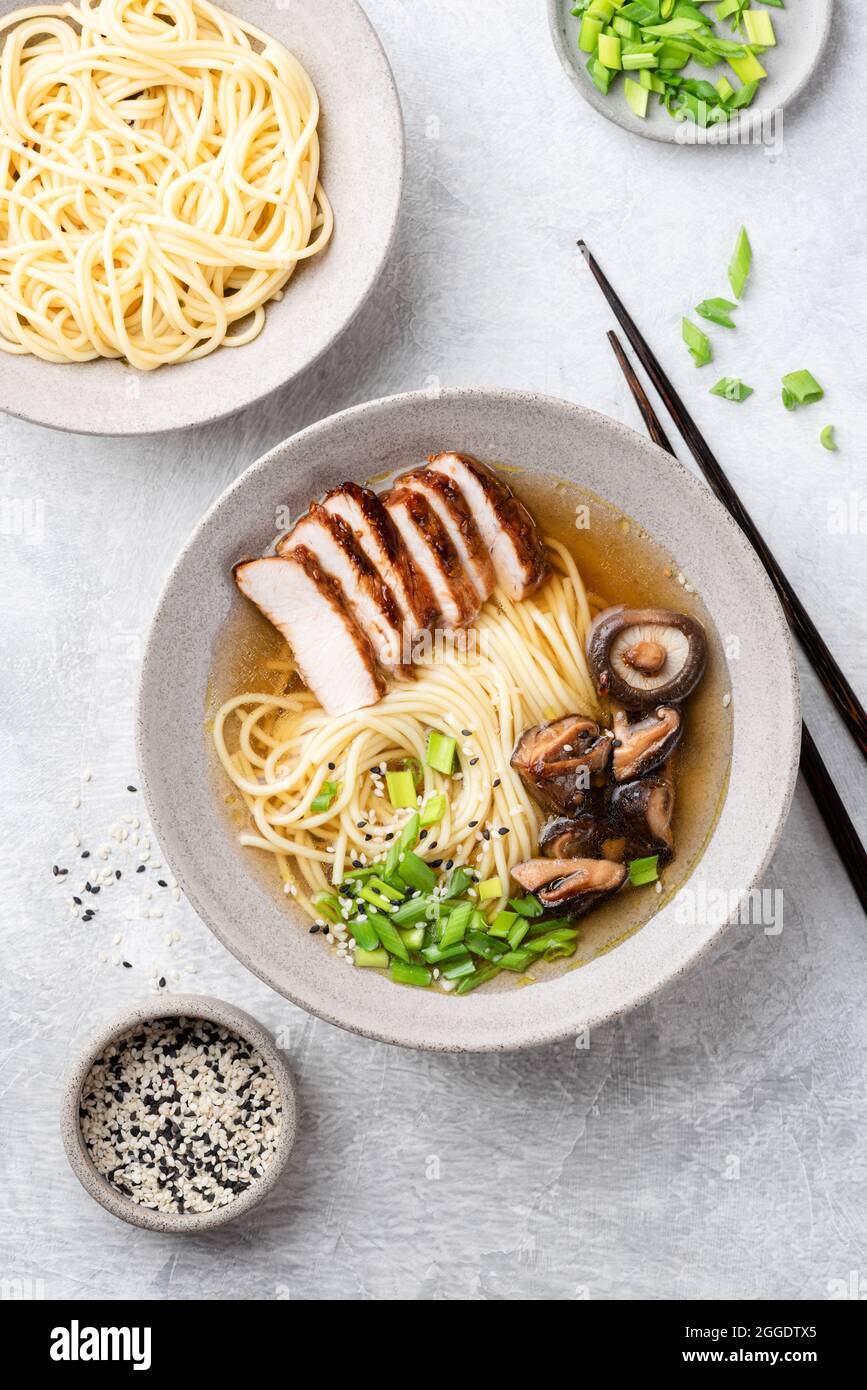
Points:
(416, 873)
(643, 871)
(440, 752)
(388, 935)
(365, 933)
(454, 928)
(697, 342)
(328, 906)
(458, 968)
(503, 923)
(827, 440)
(739, 265)
(732, 388)
(401, 789)
(802, 387)
(491, 888)
(717, 311)
(371, 960)
(404, 974)
(515, 960)
(433, 810)
(324, 798)
(460, 879)
(760, 28)
(408, 837)
(480, 977)
(527, 907)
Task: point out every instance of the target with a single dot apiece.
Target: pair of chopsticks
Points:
(816, 775)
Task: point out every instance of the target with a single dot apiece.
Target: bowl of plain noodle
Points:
(195, 201)
(286, 802)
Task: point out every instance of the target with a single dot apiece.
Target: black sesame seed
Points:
(162, 981)
(331, 767)
(390, 835)
(471, 825)
(131, 788)
(486, 834)
(313, 930)
(77, 901)
(473, 762)
(85, 854)
(465, 733)
(503, 830)
(140, 869)
(422, 834)
(117, 873)
(126, 965)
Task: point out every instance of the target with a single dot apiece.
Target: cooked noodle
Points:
(526, 666)
(159, 179)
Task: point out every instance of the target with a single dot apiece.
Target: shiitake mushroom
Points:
(646, 656)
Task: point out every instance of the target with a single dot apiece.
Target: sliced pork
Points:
(434, 555)
(512, 537)
(331, 541)
(331, 652)
(378, 537)
(451, 507)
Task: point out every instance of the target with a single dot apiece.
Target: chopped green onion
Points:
(788, 399)
(637, 96)
(481, 977)
(401, 789)
(748, 69)
(412, 911)
(412, 937)
(518, 932)
(408, 837)
(717, 311)
(434, 954)
(455, 926)
(483, 945)
(440, 752)
(732, 388)
(416, 873)
(802, 387)
(458, 968)
(460, 879)
(365, 933)
(503, 923)
(697, 342)
(433, 810)
(393, 894)
(388, 935)
(826, 438)
(515, 960)
(403, 974)
(601, 78)
(325, 796)
(365, 872)
(591, 27)
(739, 265)
(371, 960)
(376, 899)
(643, 871)
(328, 906)
(743, 96)
(725, 90)
(760, 28)
(491, 888)
(551, 940)
(527, 907)
(608, 51)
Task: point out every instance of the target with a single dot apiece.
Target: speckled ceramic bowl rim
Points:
(737, 131)
(540, 1029)
(194, 1006)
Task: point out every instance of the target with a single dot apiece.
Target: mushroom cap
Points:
(646, 656)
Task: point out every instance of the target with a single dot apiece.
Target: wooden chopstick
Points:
(816, 775)
(848, 705)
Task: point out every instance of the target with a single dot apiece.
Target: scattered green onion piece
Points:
(412, 911)
(625, 29)
(324, 797)
(551, 940)
(412, 938)
(434, 954)
(370, 895)
(460, 879)
(635, 62)
(455, 926)
(760, 28)
(788, 399)
(483, 945)
(603, 9)
(328, 906)
(518, 932)
(608, 51)
(717, 311)
(416, 873)
(355, 875)
(725, 90)
(697, 342)
(552, 924)
(748, 69)
(481, 977)
(403, 974)
(637, 97)
(365, 933)
(408, 837)
(394, 895)
(458, 968)
(371, 960)
(732, 388)
(743, 96)
(401, 789)
(433, 810)
(827, 440)
(527, 907)
(675, 28)
(643, 871)
(440, 752)
(739, 265)
(600, 76)
(515, 960)
(491, 888)
(588, 35)
(803, 387)
(388, 935)
(503, 923)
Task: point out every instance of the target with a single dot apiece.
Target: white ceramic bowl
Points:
(184, 786)
(802, 34)
(361, 132)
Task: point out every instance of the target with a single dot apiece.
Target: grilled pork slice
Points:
(433, 554)
(378, 537)
(507, 528)
(331, 652)
(370, 602)
(450, 506)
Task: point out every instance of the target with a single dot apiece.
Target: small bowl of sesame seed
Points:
(179, 1115)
